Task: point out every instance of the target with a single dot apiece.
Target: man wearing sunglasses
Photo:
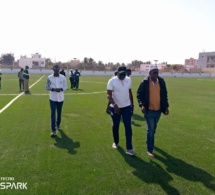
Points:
(120, 96)
(153, 100)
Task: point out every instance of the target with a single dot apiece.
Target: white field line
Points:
(13, 100)
(95, 92)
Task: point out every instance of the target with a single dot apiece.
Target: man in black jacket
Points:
(153, 100)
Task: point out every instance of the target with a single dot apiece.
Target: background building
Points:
(74, 62)
(146, 67)
(190, 63)
(36, 61)
(206, 60)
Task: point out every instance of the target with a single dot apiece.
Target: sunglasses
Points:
(122, 74)
(156, 72)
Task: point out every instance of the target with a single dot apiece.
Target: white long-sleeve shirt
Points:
(54, 82)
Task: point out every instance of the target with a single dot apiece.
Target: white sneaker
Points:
(131, 152)
(150, 154)
(114, 145)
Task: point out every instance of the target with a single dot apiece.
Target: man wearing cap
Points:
(56, 84)
(26, 80)
(21, 80)
(153, 100)
(120, 96)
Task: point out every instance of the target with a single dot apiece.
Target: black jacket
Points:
(143, 94)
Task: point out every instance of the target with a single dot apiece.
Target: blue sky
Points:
(108, 30)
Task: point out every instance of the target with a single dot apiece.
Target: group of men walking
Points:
(151, 96)
(152, 99)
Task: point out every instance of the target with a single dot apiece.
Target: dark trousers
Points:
(21, 84)
(76, 84)
(71, 82)
(126, 116)
(55, 106)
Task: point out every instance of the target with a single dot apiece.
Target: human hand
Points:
(116, 109)
(143, 109)
(57, 89)
(167, 111)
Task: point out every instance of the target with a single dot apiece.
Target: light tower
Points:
(155, 62)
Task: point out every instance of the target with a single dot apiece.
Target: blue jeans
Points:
(126, 116)
(55, 106)
(152, 117)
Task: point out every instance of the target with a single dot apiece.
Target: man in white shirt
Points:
(56, 84)
(120, 96)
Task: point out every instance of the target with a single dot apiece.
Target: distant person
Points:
(0, 78)
(21, 80)
(128, 72)
(71, 78)
(120, 95)
(26, 80)
(153, 100)
(108, 105)
(77, 75)
(56, 84)
(63, 72)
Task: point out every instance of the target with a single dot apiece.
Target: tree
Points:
(7, 59)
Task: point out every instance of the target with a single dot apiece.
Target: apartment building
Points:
(35, 61)
(206, 60)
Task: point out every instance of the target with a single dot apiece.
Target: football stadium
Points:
(80, 159)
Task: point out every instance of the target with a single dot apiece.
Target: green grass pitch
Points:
(81, 161)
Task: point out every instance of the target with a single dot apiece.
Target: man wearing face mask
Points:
(56, 84)
(120, 96)
(153, 100)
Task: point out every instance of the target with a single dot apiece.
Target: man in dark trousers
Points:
(120, 96)
(56, 84)
(77, 74)
(153, 100)
(71, 78)
(26, 80)
(21, 80)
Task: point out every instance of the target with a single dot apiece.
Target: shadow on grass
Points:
(185, 170)
(137, 117)
(66, 143)
(77, 89)
(150, 172)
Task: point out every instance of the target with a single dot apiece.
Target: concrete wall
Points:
(109, 73)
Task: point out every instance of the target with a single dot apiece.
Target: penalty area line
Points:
(14, 99)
